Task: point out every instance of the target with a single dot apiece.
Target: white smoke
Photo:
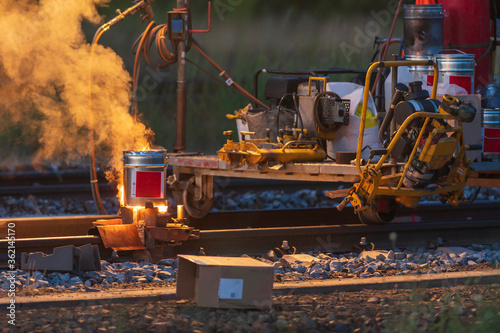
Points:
(44, 71)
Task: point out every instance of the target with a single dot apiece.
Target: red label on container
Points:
(148, 184)
(462, 81)
(430, 80)
(491, 140)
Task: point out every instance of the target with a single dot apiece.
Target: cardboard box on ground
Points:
(225, 282)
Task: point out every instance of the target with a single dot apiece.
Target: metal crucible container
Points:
(423, 29)
(144, 177)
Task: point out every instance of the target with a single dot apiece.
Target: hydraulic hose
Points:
(93, 172)
(143, 40)
(299, 116)
(139, 6)
(386, 47)
(229, 81)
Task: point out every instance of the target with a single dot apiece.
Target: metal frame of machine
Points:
(374, 184)
(298, 153)
(191, 174)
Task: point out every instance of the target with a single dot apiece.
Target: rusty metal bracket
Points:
(121, 237)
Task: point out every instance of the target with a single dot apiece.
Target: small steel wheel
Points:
(383, 211)
(195, 208)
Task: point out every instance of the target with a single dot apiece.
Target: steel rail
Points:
(56, 226)
(411, 231)
(341, 238)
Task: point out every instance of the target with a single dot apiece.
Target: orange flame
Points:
(121, 196)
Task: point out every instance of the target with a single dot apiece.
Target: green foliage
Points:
(241, 46)
(246, 35)
(450, 315)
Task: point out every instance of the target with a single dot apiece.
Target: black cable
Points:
(279, 108)
(377, 51)
(278, 117)
(474, 197)
(320, 142)
(294, 96)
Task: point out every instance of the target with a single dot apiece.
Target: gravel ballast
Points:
(458, 308)
(319, 266)
(31, 205)
(367, 309)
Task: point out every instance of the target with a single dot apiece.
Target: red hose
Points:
(385, 48)
(140, 50)
(223, 73)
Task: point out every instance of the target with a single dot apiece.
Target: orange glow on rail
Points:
(121, 196)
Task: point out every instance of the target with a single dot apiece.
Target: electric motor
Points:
(330, 110)
(405, 109)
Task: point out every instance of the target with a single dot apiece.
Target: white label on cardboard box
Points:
(230, 288)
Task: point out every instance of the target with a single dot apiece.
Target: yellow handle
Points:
(451, 100)
(247, 133)
(311, 79)
(232, 116)
(366, 95)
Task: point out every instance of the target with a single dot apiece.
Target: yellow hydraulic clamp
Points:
(260, 151)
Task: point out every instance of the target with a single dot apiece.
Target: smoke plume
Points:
(44, 73)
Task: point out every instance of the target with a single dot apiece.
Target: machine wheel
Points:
(195, 208)
(372, 216)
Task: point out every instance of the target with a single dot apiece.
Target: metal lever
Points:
(344, 203)
(474, 147)
(245, 133)
(141, 5)
(229, 135)
(377, 152)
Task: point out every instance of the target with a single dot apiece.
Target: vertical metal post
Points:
(380, 101)
(394, 81)
(392, 127)
(180, 120)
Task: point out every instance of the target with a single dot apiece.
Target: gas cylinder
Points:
(466, 27)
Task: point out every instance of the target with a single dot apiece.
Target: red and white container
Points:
(455, 67)
(491, 134)
(144, 177)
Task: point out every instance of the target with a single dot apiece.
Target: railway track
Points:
(235, 232)
(256, 232)
(341, 238)
(53, 183)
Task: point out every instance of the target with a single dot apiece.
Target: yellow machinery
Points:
(322, 114)
(435, 164)
(423, 155)
(292, 148)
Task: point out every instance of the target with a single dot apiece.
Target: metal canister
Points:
(144, 177)
(491, 134)
(423, 29)
(420, 71)
(459, 67)
(490, 96)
